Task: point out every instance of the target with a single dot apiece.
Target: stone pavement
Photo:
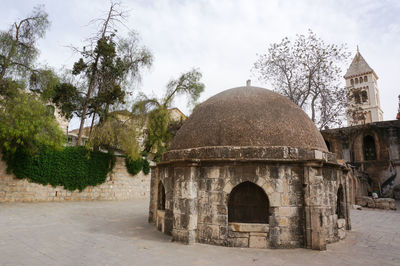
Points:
(117, 233)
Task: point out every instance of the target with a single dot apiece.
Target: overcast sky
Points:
(222, 38)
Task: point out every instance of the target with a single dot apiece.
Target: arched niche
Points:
(248, 203)
(161, 197)
(340, 203)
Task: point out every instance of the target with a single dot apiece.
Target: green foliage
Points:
(26, 123)
(160, 128)
(71, 167)
(134, 166)
(146, 167)
(67, 98)
(158, 136)
(17, 45)
(115, 134)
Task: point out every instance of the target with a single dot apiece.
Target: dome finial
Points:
(248, 83)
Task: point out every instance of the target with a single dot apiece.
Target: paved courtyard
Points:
(117, 233)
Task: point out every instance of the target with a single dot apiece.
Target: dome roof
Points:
(248, 116)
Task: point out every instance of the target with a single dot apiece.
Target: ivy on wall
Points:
(135, 166)
(70, 167)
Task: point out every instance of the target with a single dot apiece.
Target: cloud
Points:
(222, 37)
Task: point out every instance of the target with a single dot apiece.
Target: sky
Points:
(222, 38)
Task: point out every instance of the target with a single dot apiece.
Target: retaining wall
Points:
(120, 185)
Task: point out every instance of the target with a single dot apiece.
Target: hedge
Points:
(71, 167)
(135, 166)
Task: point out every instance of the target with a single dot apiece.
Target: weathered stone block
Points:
(341, 223)
(275, 200)
(247, 227)
(257, 242)
(238, 242)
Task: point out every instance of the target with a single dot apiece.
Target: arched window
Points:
(365, 78)
(248, 203)
(328, 145)
(356, 79)
(364, 96)
(369, 148)
(161, 197)
(340, 203)
(361, 79)
(352, 81)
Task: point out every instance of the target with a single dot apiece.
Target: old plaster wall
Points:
(120, 185)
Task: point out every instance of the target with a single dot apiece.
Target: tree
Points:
(155, 111)
(307, 71)
(107, 66)
(18, 50)
(26, 121)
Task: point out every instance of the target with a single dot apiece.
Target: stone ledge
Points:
(248, 227)
(249, 153)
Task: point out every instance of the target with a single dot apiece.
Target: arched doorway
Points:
(369, 148)
(248, 203)
(161, 197)
(340, 203)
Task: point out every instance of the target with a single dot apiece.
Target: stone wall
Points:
(197, 195)
(120, 185)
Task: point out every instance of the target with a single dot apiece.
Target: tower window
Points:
(369, 148)
(365, 78)
(364, 96)
(361, 79)
(352, 81)
(356, 80)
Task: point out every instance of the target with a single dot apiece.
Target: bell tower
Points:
(363, 93)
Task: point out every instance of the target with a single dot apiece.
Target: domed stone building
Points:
(249, 169)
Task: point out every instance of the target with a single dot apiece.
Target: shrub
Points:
(135, 166)
(71, 167)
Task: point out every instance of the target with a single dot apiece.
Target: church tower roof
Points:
(359, 67)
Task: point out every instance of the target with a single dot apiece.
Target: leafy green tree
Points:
(18, 50)
(26, 123)
(107, 67)
(155, 111)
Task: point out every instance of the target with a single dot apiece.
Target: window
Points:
(361, 79)
(161, 197)
(364, 96)
(248, 203)
(352, 81)
(356, 80)
(369, 148)
(328, 145)
(365, 79)
(357, 97)
(340, 203)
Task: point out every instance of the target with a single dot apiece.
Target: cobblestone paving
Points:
(117, 233)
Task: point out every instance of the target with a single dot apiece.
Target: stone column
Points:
(153, 194)
(315, 236)
(347, 200)
(185, 206)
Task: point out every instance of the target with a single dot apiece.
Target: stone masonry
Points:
(120, 185)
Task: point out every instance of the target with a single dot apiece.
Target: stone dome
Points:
(248, 116)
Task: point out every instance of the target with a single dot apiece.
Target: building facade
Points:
(363, 93)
